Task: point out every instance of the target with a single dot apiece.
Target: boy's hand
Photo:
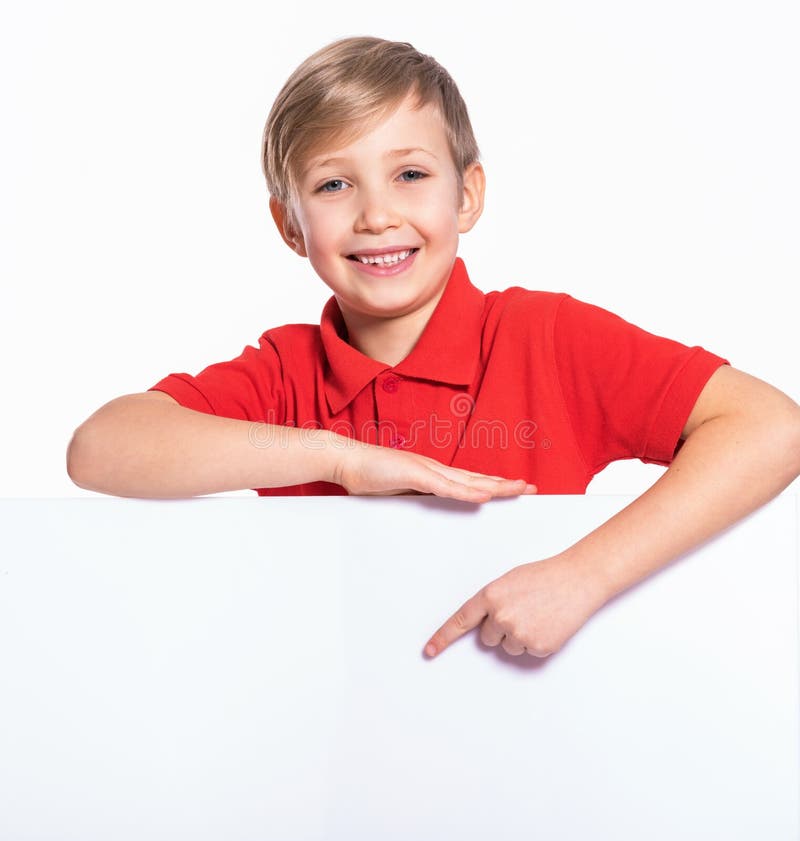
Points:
(369, 469)
(533, 608)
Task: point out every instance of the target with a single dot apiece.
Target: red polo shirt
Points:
(518, 383)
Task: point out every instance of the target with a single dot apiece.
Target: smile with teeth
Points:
(384, 259)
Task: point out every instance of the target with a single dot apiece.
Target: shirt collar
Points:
(447, 351)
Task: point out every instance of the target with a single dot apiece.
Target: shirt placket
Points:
(393, 402)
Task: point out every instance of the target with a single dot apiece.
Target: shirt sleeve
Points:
(628, 393)
(248, 387)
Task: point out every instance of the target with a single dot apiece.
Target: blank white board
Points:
(252, 669)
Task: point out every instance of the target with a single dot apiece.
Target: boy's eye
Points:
(418, 176)
(327, 184)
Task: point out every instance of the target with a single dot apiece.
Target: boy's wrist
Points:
(321, 451)
(324, 449)
(591, 574)
(329, 455)
(289, 455)
(338, 448)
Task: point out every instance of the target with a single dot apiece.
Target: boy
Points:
(415, 381)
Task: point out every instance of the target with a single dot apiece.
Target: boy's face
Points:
(396, 189)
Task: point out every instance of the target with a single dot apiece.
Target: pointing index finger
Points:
(467, 617)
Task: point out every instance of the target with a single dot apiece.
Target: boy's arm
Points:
(148, 445)
(741, 448)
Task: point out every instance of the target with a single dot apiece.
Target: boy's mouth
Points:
(387, 258)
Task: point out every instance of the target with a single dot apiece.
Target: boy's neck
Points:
(388, 340)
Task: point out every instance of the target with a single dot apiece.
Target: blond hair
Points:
(345, 89)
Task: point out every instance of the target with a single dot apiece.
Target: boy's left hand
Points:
(535, 607)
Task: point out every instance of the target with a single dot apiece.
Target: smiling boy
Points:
(392, 194)
(416, 381)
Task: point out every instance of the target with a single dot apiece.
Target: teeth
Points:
(386, 259)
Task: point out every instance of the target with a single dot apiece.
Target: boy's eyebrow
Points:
(394, 153)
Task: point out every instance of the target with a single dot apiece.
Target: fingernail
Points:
(430, 649)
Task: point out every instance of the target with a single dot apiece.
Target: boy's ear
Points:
(471, 197)
(292, 237)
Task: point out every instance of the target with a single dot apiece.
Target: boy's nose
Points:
(376, 212)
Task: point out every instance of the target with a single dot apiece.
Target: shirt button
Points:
(391, 384)
(397, 441)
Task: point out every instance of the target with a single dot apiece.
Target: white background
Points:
(639, 156)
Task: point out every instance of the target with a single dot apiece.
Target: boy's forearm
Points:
(140, 448)
(725, 469)
(730, 463)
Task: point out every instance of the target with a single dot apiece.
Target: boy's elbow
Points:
(77, 461)
(793, 439)
(84, 461)
(783, 436)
